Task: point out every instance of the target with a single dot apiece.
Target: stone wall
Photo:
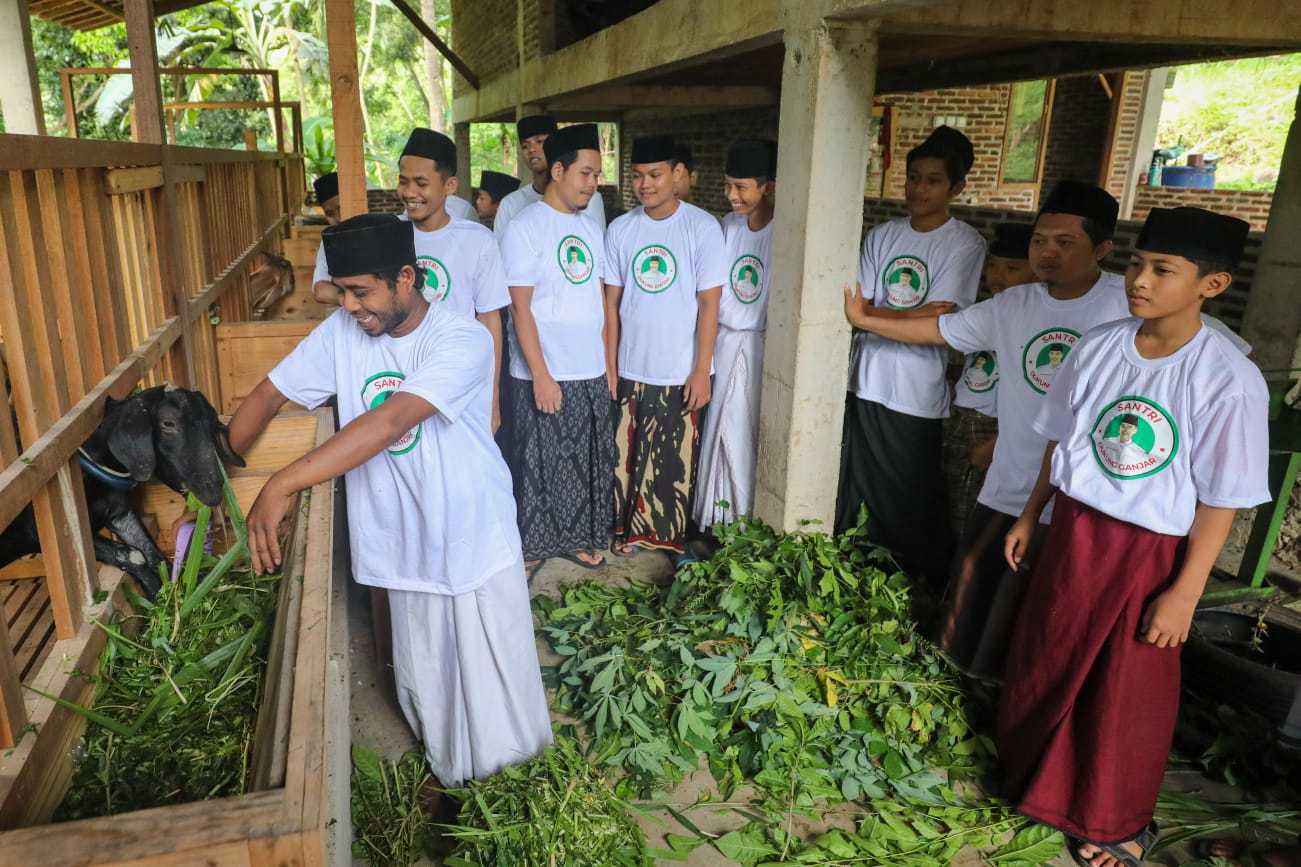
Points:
(1250, 205)
(1228, 307)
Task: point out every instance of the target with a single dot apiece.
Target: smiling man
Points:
(431, 517)
(664, 274)
(533, 132)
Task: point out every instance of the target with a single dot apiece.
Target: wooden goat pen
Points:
(118, 262)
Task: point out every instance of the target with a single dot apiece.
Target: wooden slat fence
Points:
(111, 256)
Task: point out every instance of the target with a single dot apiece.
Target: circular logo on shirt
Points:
(654, 268)
(575, 259)
(380, 388)
(1044, 354)
(907, 281)
(747, 278)
(982, 372)
(1134, 438)
(438, 282)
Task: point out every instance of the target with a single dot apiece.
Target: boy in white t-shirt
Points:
(493, 187)
(919, 265)
(664, 275)
(430, 512)
(729, 440)
(532, 132)
(326, 189)
(683, 184)
(1072, 235)
(562, 449)
(971, 429)
(1157, 431)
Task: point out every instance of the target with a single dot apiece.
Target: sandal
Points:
(627, 549)
(1145, 839)
(574, 558)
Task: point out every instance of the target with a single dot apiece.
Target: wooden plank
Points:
(341, 36)
(13, 710)
(34, 656)
(246, 353)
(100, 245)
(24, 569)
(69, 104)
(428, 32)
(58, 285)
(198, 305)
(288, 437)
(82, 281)
(8, 436)
(18, 152)
(181, 174)
(146, 90)
(133, 180)
(165, 506)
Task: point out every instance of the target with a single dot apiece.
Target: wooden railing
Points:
(111, 255)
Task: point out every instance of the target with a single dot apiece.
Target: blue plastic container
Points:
(1198, 177)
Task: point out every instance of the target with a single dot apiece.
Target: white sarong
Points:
(468, 678)
(729, 442)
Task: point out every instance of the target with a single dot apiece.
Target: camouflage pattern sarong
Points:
(656, 440)
(963, 429)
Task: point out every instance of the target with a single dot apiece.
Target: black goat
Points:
(167, 433)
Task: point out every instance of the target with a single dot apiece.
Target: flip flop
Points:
(574, 558)
(634, 548)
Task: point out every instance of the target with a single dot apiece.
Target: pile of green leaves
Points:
(177, 687)
(556, 809)
(788, 663)
(390, 825)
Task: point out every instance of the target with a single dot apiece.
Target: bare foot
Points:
(1099, 858)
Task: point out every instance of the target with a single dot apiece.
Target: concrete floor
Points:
(377, 722)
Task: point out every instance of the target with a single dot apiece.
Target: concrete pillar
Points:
(20, 89)
(1149, 118)
(828, 80)
(1272, 321)
(461, 135)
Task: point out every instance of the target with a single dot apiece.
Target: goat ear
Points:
(228, 455)
(131, 438)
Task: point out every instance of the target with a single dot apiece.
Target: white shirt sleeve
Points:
(490, 292)
(867, 271)
(322, 272)
(505, 210)
(451, 378)
(973, 328)
(1216, 325)
(596, 210)
(1230, 459)
(521, 260)
(306, 375)
(1056, 416)
(710, 256)
(614, 265)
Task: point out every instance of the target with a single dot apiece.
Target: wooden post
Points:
(277, 115)
(20, 89)
(146, 90)
(69, 104)
(341, 37)
(461, 133)
(828, 79)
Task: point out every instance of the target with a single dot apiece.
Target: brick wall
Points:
(383, 202)
(983, 111)
(1125, 138)
(483, 34)
(1250, 205)
(1228, 307)
(1077, 132)
(709, 135)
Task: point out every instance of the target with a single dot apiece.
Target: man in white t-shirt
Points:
(729, 440)
(532, 132)
(562, 449)
(430, 512)
(664, 275)
(686, 182)
(1024, 326)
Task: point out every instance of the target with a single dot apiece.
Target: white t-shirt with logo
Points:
(744, 304)
(462, 266)
(661, 265)
(514, 204)
(559, 255)
(435, 511)
(460, 209)
(977, 388)
(903, 269)
(1030, 331)
(1238, 343)
(1144, 440)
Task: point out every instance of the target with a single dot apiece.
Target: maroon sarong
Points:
(1088, 709)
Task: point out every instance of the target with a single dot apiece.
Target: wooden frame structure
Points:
(178, 75)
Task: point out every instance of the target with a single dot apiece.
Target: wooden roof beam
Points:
(626, 97)
(443, 48)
